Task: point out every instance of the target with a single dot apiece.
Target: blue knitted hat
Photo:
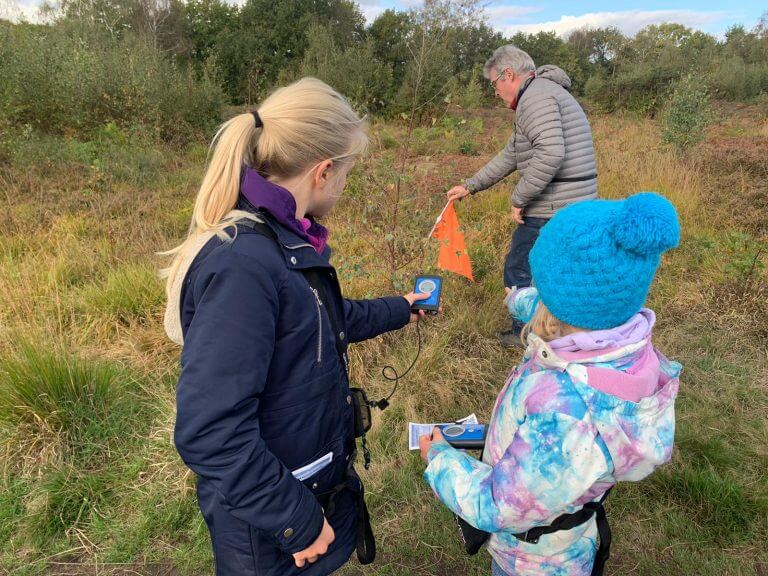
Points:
(594, 261)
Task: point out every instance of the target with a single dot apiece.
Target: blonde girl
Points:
(264, 411)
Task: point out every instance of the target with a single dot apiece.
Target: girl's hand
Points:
(317, 548)
(426, 441)
(507, 293)
(412, 298)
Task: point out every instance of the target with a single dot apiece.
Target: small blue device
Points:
(425, 284)
(466, 436)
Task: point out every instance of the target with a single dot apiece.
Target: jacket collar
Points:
(540, 352)
(280, 203)
(523, 88)
(298, 253)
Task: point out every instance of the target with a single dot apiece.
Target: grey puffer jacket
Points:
(551, 147)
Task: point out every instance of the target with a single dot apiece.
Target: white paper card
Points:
(415, 429)
(313, 467)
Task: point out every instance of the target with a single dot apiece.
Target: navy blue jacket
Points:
(263, 392)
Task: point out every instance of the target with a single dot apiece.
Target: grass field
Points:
(90, 480)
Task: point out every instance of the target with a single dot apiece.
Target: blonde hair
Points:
(303, 124)
(546, 326)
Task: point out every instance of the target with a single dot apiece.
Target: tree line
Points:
(171, 66)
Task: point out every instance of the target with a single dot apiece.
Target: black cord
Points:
(384, 402)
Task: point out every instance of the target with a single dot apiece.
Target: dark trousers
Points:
(517, 270)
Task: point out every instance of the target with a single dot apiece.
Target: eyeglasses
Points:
(493, 82)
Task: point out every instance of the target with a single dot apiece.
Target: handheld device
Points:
(466, 436)
(431, 284)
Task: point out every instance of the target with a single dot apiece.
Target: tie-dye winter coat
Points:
(579, 414)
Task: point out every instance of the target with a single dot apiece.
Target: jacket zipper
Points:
(319, 303)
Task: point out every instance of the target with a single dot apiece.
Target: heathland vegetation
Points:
(105, 115)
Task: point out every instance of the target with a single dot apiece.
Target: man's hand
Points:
(517, 215)
(457, 193)
(426, 441)
(317, 548)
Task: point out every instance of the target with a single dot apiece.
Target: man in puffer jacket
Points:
(551, 147)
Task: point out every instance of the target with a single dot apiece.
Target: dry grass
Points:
(76, 255)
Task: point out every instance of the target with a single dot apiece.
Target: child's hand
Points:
(317, 548)
(426, 441)
(412, 298)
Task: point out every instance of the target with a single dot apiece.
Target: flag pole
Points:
(437, 221)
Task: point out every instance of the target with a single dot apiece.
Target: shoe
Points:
(510, 339)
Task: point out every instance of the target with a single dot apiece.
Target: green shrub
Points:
(354, 71)
(425, 87)
(687, 114)
(736, 80)
(594, 89)
(122, 155)
(59, 83)
(466, 89)
(468, 148)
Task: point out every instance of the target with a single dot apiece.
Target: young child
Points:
(591, 403)
(265, 417)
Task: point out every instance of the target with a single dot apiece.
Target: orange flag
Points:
(453, 250)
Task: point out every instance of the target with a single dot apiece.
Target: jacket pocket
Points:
(323, 479)
(331, 474)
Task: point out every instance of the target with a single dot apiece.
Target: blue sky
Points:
(628, 15)
(558, 15)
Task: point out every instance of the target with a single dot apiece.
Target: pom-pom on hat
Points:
(594, 261)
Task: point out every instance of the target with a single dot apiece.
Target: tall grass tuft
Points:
(52, 390)
(69, 428)
(56, 407)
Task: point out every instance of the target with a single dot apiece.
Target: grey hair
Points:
(508, 57)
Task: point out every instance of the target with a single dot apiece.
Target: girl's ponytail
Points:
(232, 147)
(216, 199)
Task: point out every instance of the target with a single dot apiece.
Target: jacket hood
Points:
(629, 393)
(555, 74)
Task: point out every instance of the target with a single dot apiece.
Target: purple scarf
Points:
(281, 204)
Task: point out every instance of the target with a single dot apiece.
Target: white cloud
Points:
(497, 16)
(501, 14)
(371, 9)
(18, 11)
(629, 21)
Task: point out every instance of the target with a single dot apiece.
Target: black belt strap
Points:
(604, 550)
(568, 521)
(366, 543)
(475, 538)
(575, 179)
